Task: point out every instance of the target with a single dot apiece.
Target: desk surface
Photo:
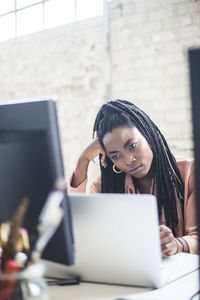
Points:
(181, 289)
(92, 291)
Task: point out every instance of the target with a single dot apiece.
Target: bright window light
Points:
(23, 3)
(29, 20)
(7, 27)
(89, 8)
(30, 16)
(58, 12)
(6, 6)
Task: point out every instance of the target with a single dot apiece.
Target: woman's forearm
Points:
(80, 173)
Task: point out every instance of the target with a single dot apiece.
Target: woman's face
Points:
(129, 151)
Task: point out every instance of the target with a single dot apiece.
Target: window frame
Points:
(39, 2)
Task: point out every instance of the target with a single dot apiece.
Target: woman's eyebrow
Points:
(127, 143)
(125, 146)
(113, 152)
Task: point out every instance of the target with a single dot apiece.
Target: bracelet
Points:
(183, 249)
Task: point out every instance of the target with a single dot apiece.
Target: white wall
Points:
(66, 62)
(149, 61)
(149, 42)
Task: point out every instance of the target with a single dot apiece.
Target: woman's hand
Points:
(93, 150)
(169, 244)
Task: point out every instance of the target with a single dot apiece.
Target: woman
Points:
(135, 158)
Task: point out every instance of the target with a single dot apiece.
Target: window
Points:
(30, 20)
(21, 17)
(7, 27)
(59, 12)
(6, 6)
(87, 8)
(24, 3)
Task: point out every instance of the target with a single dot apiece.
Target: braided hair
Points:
(169, 186)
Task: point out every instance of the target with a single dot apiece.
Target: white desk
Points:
(181, 289)
(91, 291)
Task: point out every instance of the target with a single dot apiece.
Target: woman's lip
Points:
(136, 169)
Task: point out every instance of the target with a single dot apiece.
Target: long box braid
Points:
(169, 186)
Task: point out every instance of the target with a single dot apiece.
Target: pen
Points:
(4, 233)
(7, 286)
(68, 281)
(46, 233)
(23, 243)
(53, 201)
(9, 249)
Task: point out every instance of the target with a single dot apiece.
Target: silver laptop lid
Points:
(116, 239)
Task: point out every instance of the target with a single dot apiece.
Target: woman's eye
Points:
(132, 146)
(114, 157)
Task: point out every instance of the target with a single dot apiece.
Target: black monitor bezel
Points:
(41, 115)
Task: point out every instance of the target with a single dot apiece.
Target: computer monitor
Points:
(31, 161)
(194, 64)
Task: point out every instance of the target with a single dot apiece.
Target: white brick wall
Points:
(67, 62)
(149, 62)
(149, 42)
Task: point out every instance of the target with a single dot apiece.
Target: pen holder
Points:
(27, 284)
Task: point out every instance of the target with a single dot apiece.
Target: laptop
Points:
(117, 242)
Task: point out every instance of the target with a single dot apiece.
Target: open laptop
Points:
(117, 241)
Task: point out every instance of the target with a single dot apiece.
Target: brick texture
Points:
(148, 50)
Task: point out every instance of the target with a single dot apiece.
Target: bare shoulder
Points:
(186, 168)
(185, 163)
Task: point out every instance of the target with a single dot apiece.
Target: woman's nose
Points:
(130, 159)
